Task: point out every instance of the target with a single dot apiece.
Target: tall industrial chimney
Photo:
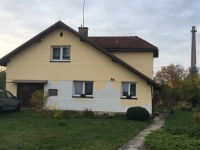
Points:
(193, 67)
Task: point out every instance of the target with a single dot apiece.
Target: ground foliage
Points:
(28, 130)
(190, 89)
(178, 133)
(161, 140)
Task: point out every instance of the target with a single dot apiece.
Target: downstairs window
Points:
(129, 90)
(83, 89)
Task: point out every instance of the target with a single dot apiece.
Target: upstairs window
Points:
(60, 53)
(83, 89)
(129, 89)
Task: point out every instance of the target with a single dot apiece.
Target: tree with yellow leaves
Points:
(190, 89)
(173, 75)
(170, 78)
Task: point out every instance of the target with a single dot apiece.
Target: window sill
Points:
(129, 98)
(82, 97)
(60, 61)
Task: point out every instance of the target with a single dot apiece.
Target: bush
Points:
(137, 113)
(38, 100)
(67, 114)
(58, 114)
(198, 110)
(88, 113)
(186, 108)
(191, 131)
(196, 118)
(180, 105)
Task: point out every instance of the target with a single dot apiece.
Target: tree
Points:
(172, 75)
(170, 78)
(190, 89)
(2, 77)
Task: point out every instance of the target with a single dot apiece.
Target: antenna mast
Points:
(83, 11)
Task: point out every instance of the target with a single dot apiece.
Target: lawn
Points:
(178, 133)
(27, 130)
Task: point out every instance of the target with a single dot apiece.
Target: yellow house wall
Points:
(142, 61)
(87, 64)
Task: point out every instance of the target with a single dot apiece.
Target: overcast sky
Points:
(163, 23)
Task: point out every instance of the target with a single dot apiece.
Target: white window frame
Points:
(83, 90)
(129, 88)
(61, 53)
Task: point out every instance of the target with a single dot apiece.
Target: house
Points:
(81, 72)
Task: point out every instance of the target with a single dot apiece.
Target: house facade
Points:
(80, 72)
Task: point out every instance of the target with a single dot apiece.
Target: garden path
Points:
(137, 143)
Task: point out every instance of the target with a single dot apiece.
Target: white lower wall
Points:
(106, 99)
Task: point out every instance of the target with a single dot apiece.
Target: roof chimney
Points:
(83, 31)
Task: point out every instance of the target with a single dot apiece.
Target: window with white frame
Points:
(129, 89)
(59, 53)
(83, 88)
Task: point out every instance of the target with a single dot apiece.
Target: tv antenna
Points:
(83, 11)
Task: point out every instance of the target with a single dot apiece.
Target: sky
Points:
(166, 24)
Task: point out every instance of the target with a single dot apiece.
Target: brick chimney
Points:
(83, 31)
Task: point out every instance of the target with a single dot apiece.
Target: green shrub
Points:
(88, 113)
(38, 101)
(137, 113)
(186, 108)
(194, 131)
(198, 110)
(180, 105)
(58, 114)
(67, 114)
(176, 130)
(196, 118)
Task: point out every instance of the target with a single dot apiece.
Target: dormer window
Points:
(60, 53)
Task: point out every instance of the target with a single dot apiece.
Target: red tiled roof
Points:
(122, 42)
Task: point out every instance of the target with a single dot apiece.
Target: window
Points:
(83, 89)
(53, 92)
(60, 54)
(6, 95)
(129, 89)
(9, 95)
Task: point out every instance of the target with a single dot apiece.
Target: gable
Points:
(86, 63)
(142, 61)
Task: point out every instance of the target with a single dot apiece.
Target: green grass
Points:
(178, 133)
(179, 118)
(27, 130)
